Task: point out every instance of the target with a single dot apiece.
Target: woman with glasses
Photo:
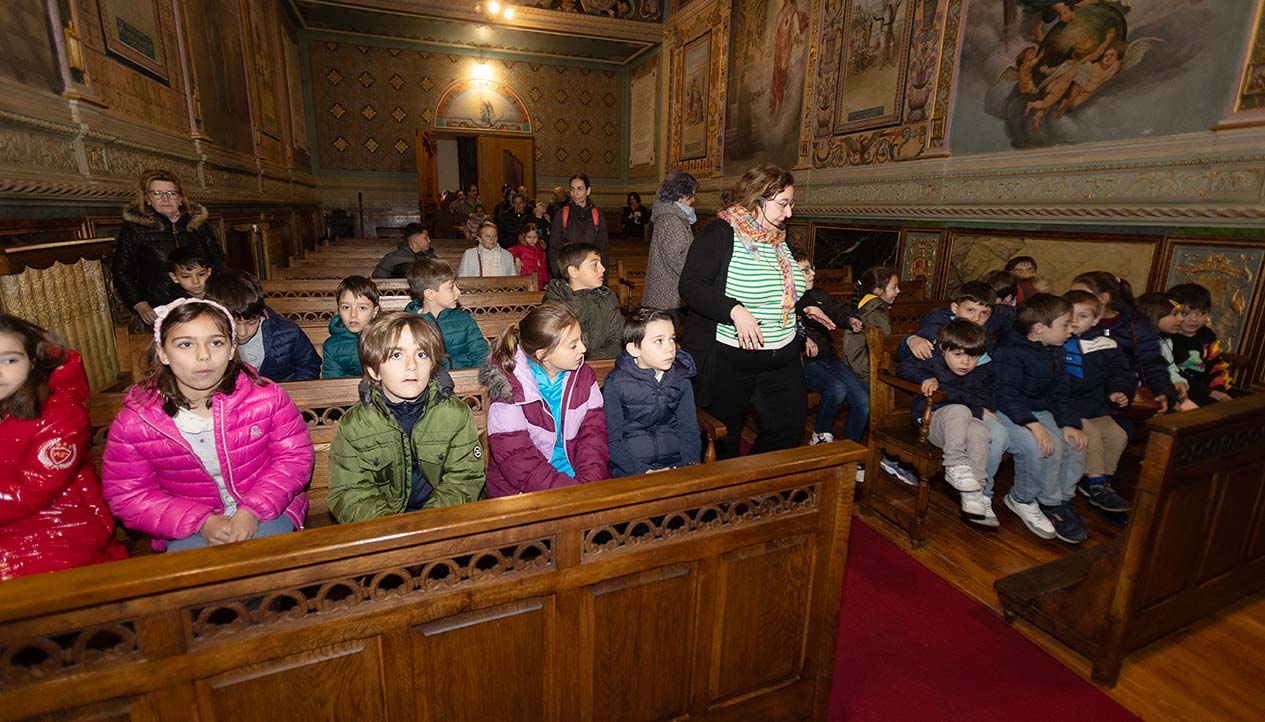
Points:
(157, 221)
(741, 285)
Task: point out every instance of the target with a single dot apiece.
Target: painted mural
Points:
(623, 9)
(1061, 258)
(767, 49)
(482, 105)
(874, 42)
(1075, 71)
(695, 97)
(838, 247)
(1230, 273)
(920, 250)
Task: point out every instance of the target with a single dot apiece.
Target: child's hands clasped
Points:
(215, 529)
(242, 525)
(920, 347)
(1075, 438)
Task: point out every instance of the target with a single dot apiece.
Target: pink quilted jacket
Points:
(154, 482)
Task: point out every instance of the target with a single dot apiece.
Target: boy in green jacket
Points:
(357, 299)
(433, 286)
(582, 290)
(409, 444)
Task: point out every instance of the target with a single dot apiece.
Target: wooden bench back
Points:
(489, 326)
(1195, 543)
(311, 309)
(323, 403)
(527, 607)
(327, 287)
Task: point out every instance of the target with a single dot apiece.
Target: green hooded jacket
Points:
(601, 323)
(340, 354)
(873, 311)
(464, 344)
(371, 459)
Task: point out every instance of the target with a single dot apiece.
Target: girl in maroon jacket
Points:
(546, 427)
(51, 512)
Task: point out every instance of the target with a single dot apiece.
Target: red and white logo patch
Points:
(57, 454)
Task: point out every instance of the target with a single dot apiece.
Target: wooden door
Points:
(506, 160)
(427, 172)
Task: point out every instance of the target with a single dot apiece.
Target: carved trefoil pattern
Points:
(676, 525)
(346, 594)
(29, 660)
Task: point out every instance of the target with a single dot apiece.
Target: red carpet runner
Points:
(911, 647)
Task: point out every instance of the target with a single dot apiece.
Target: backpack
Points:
(566, 213)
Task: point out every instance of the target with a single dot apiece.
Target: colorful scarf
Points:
(750, 233)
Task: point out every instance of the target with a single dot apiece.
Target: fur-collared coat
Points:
(142, 248)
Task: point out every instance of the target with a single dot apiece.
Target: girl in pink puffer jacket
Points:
(205, 452)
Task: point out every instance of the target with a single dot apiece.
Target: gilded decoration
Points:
(1230, 273)
(680, 38)
(1249, 105)
(483, 105)
(920, 250)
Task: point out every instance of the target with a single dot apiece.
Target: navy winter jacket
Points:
(995, 329)
(288, 354)
(974, 390)
(651, 424)
(1140, 344)
(1096, 368)
(1029, 376)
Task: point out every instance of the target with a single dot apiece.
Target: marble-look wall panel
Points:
(1059, 258)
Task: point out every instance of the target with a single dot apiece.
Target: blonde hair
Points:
(140, 203)
(382, 335)
(540, 330)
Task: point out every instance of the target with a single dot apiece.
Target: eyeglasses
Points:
(784, 203)
(159, 194)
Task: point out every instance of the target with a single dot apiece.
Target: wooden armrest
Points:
(714, 431)
(626, 282)
(892, 379)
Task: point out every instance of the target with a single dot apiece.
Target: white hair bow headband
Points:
(162, 311)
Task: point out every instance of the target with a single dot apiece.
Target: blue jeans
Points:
(836, 383)
(1050, 480)
(280, 525)
(998, 440)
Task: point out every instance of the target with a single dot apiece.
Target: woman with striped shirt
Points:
(741, 285)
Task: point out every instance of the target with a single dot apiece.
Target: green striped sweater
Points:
(756, 283)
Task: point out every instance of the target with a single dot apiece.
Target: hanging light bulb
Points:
(494, 7)
(509, 13)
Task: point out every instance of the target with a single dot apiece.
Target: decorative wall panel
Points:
(1231, 273)
(919, 254)
(27, 56)
(712, 20)
(366, 98)
(1061, 257)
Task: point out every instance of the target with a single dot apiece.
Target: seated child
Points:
(433, 286)
(1027, 282)
(1033, 398)
(162, 472)
(973, 302)
(414, 247)
(188, 268)
(473, 222)
(409, 444)
(581, 289)
(546, 426)
(529, 255)
(962, 425)
(824, 372)
(270, 343)
(1003, 318)
(651, 422)
(487, 258)
(1196, 349)
(876, 291)
(52, 515)
(357, 299)
(1166, 313)
(1100, 380)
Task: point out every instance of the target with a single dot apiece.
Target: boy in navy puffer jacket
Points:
(651, 423)
(963, 425)
(1101, 380)
(1034, 403)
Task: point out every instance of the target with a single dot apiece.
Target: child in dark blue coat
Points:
(973, 302)
(651, 422)
(1034, 403)
(1101, 380)
(963, 425)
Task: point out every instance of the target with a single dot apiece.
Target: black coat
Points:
(837, 311)
(1103, 370)
(142, 247)
(1029, 376)
(650, 424)
(702, 287)
(974, 390)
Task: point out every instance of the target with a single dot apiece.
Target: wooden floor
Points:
(1211, 672)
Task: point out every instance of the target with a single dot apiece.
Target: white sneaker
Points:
(860, 473)
(973, 503)
(962, 478)
(1032, 517)
(825, 438)
(990, 517)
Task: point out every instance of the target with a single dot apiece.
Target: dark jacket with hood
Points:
(288, 354)
(340, 354)
(1139, 341)
(651, 424)
(400, 259)
(974, 390)
(144, 242)
(578, 228)
(372, 461)
(1029, 376)
(1096, 368)
(601, 323)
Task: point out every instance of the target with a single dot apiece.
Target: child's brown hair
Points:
(382, 334)
(162, 379)
(1041, 308)
(1084, 298)
(1157, 305)
(357, 286)
(44, 350)
(428, 273)
(540, 330)
(238, 291)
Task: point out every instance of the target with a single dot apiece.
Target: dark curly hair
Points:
(679, 185)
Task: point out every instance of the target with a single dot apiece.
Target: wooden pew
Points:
(308, 309)
(1195, 543)
(394, 286)
(490, 326)
(710, 593)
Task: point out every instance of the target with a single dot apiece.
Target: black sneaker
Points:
(1103, 496)
(1067, 523)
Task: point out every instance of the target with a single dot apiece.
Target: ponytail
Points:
(1116, 288)
(874, 277)
(541, 329)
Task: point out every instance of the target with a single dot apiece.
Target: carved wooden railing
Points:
(710, 593)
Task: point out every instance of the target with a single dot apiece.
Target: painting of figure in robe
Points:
(764, 103)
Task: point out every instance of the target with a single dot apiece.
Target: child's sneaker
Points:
(973, 503)
(1103, 496)
(1032, 517)
(962, 478)
(1067, 523)
(905, 476)
(989, 518)
(860, 473)
(825, 438)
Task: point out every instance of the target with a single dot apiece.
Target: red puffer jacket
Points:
(52, 515)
